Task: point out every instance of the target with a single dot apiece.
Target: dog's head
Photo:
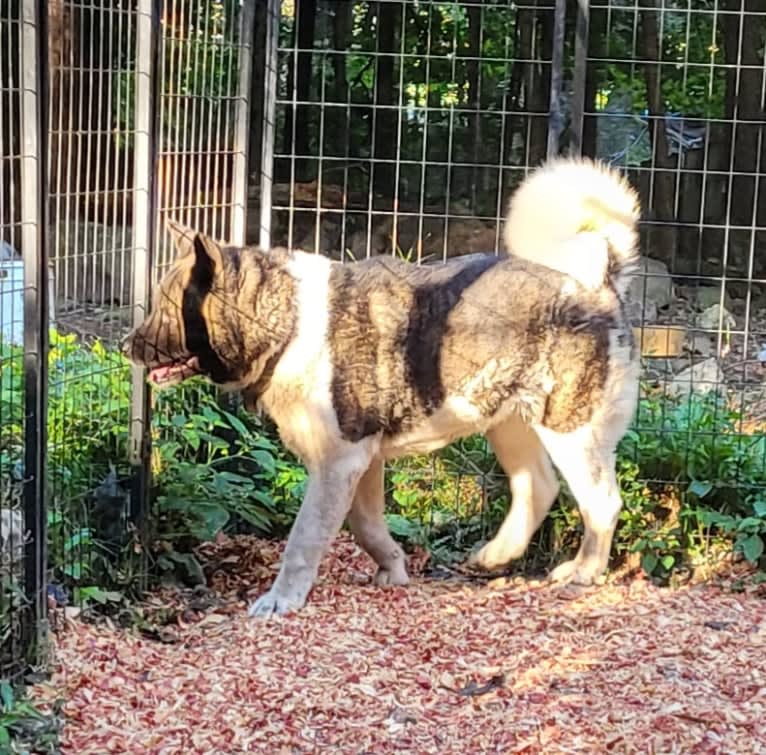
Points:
(186, 332)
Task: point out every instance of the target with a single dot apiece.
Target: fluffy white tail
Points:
(577, 216)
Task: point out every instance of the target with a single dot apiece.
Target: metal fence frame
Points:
(573, 26)
(225, 138)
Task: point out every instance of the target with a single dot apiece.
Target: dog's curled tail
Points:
(579, 217)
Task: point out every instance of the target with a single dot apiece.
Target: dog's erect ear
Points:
(183, 237)
(188, 241)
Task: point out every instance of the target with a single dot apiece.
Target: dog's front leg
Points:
(329, 493)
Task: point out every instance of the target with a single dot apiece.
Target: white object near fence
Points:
(12, 301)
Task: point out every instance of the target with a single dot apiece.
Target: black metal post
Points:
(555, 119)
(582, 31)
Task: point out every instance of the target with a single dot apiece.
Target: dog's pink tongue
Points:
(158, 374)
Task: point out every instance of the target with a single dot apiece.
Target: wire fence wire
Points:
(403, 127)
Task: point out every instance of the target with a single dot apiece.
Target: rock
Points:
(639, 314)
(716, 318)
(708, 296)
(702, 344)
(652, 284)
(700, 378)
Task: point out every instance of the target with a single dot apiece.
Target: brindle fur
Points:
(367, 361)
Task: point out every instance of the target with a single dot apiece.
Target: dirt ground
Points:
(442, 666)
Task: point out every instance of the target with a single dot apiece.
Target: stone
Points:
(652, 283)
(640, 314)
(708, 296)
(716, 318)
(702, 344)
(700, 378)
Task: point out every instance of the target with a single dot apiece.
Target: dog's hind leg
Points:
(534, 488)
(587, 462)
(369, 528)
(329, 493)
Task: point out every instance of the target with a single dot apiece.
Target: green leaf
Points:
(237, 424)
(192, 438)
(748, 522)
(649, 563)
(752, 548)
(760, 508)
(265, 460)
(5, 737)
(402, 527)
(668, 562)
(6, 695)
(189, 564)
(214, 518)
(73, 570)
(99, 595)
(254, 516)
(700, 488)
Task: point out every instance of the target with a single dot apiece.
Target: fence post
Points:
(273, 11)
(242, 127)
(582, 31)
(34, 236)
(146, 109)
(555, 119)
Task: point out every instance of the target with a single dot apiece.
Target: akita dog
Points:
(362, 362)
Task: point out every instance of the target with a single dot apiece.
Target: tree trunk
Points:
(306, 26)
(662, 238)
(385, 117)
(337, 117)
(596, 49)
(538, 82)
(522, 49)
(744, 82)
(475, 15)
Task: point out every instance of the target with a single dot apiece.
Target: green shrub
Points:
(213, 468)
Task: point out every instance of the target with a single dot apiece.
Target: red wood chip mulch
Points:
(438, 667)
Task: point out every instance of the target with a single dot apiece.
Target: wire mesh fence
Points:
(144, 120)
(403, 127)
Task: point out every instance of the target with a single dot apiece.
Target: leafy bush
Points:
(692, 484)
(24, 728)
(213, 468)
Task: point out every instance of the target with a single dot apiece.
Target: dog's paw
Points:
(576, 572)
(494, 556)
(274, 604)
(395, 574)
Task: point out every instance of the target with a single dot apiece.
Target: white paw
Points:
(274, 603)
(577, 573)
(396, 574)
(493, 556)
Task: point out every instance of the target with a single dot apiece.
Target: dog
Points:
(362, 362)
